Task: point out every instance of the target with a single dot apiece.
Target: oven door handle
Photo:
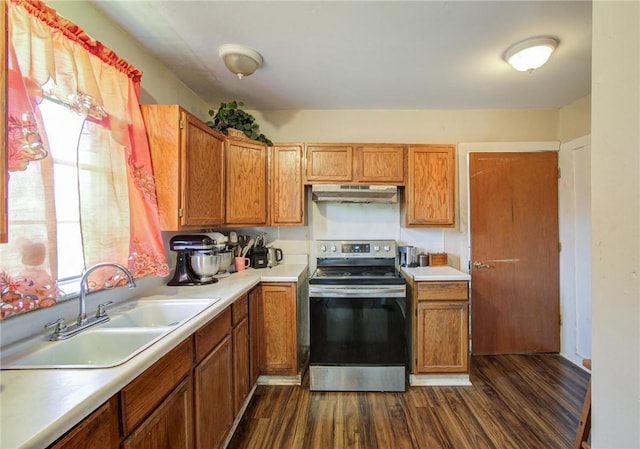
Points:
(344, 292)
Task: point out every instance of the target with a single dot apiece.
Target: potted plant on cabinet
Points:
(230, 116)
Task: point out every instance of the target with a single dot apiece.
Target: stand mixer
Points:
(197, 262)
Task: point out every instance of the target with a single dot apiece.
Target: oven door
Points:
(358, 338)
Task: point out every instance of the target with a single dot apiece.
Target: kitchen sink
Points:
(134, 326)
(95, 348)
(156, 313)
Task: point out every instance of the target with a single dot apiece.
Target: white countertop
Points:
(38, 406)
(443, 273)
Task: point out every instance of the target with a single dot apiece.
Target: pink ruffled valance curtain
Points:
(48, 56)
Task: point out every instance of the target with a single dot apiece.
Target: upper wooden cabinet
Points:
(287, 189)
(430, 193)
(329, 163)
(246, 172)
(188, 167)
(380, 164)
(365, 164)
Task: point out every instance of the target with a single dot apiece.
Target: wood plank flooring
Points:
(515, 402)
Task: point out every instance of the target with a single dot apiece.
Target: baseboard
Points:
(439, 380)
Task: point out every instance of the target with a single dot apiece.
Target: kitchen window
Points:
(81, 187)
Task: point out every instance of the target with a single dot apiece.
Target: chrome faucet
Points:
(62, 331)
(82, 316)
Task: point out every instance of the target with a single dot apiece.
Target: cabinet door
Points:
(203, 175)
(287, 191)
(442, 337)
(430, 191)
(241, 380)
(143, 394)
(277, 329)
(213, 380)
(170, 425)
(380, 164)
(246, 172)
(187, 159)
(255, 299)
(329, 163)
(97, 431)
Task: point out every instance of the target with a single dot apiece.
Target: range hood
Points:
(354, 193)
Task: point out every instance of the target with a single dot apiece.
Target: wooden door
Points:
(213, 396)
(329, 163)
(514, 252)
(277, 328)
(99, 430)
(380, 164)
(287, 191)
(442, 344)
(429, 197)
(169, 426)
(203, 188)
(246, 172)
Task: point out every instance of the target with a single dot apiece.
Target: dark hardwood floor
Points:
(515, 402)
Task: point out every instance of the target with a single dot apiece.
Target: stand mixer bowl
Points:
(204, 265)
(225, 261)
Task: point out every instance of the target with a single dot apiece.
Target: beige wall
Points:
(615, 215)
(574, 119)
(409, 125)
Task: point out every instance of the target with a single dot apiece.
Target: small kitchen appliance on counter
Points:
(197, 262)
(407, 256)
(357, 311)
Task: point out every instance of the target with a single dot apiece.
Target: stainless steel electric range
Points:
(358, 338)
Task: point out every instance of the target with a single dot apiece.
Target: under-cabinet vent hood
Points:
(354, 193)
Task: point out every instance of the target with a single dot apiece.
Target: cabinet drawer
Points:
(212, 333)
(145, 392)
(240, 309)
(438, 291)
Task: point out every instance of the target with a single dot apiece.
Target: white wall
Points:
(615, 162)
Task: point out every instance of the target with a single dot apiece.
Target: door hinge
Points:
(181, 124)
(560, 320)
(559, 246)
(180, 212)
(559, 173)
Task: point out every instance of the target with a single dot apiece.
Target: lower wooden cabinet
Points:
(192, 395)
(213, 393)
(277, 329)
(441, 327)
(170, 426)
(240, 339)
(98, 431)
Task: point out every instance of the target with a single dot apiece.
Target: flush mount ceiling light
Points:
(528, 55)
(239, 59)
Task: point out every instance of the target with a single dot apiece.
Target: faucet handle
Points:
(101, 309)
(59, 325)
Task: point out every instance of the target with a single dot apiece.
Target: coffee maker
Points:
(197, 262)
(407, 256)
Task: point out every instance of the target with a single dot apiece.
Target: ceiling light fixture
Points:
(528, 55)
(239, 59)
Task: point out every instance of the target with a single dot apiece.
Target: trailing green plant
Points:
(230, 115)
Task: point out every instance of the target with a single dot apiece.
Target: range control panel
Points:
(355, 248)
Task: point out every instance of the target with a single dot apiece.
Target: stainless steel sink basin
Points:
(134, 326)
